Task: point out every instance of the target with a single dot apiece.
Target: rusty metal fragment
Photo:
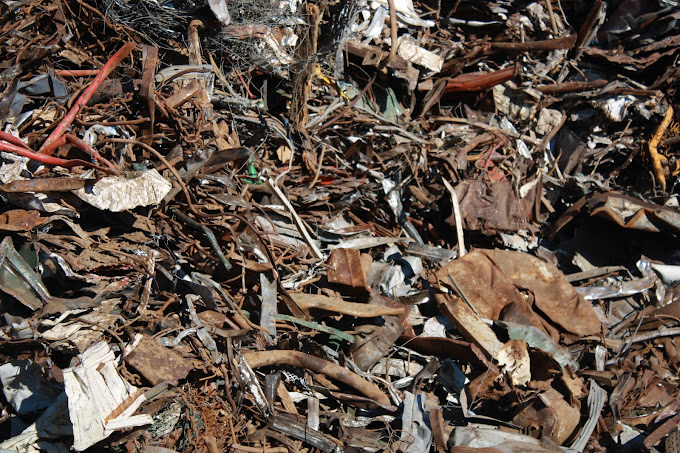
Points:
(494, 206)
(44, 185)
(347, 269)
(470, 324)
(373, 342)
(20, 220)
(491, 281)
(550, 415)
(157, 363)
(338, 305)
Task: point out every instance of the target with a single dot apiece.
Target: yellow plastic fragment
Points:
(319, 73)
(656, 157)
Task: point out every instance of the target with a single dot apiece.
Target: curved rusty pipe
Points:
(259, 359)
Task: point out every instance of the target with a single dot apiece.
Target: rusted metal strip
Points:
(44, 185)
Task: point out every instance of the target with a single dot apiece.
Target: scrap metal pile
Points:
(285, 226)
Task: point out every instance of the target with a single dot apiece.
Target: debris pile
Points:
(339, 226)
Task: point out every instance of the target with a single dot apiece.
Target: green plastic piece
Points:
(335, 333)
(253, 177)
(18, 279)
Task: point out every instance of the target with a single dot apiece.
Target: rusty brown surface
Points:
(377, 226)
(158, 364)
(20, 220)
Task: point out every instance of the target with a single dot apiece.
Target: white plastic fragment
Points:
(11, 167)
(436, 327)
(668, 273)
(521, 241)
(410, 51)
(128, 422)
(24, 387)
(406, 13)
(520, 104)
(21, 330)
(630, 438)
(540, 16)
(526, 188)
(473, 23)
(220, 10)
(615, 108)
(413, 266)
(616, 289)
(393, 278)
(120, 193)
(52, 424)
(416, 436)
(513, 358)
(377, 24)
(99, 399)
(522, 147)
(91, 135)
(486, 436)
(201, 332)
(402, 6)
(249, 379)
(185, 72)
(80, 334)
(547, 120)
(268, 295)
